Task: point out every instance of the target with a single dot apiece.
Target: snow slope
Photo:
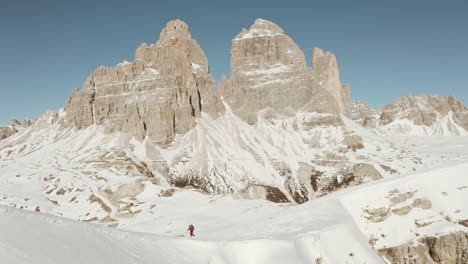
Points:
(268, 234)
(444, 189)
(231, 230)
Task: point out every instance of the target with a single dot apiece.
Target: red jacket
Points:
(191, 228)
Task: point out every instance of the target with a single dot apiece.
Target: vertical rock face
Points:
(325, 64)
(269, 72)
(159, 95)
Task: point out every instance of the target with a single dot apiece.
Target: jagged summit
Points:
(269, 74)
(325, 64)
(174, 30)
(159, 95)
(260, 28)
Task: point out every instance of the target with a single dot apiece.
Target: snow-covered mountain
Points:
(278, 132)
(416, 115)
(152, 145)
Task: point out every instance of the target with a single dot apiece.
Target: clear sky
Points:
(385, 49)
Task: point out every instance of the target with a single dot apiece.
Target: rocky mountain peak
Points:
(260, 28)
(325, 64)
(269, 72)
(323, 61)
(174, 30)
(161, 94)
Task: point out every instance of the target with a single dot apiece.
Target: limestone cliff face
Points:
(269, 75)
(446, 249)
(326, 65)
(159, 95)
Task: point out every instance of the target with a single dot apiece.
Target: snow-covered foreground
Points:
(129, 217)
(335, 228)
(264, 233)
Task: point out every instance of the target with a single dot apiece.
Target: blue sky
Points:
(385, 49)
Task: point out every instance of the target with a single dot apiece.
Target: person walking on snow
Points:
(191, 228)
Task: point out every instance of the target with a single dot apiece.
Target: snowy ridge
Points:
(443, 126)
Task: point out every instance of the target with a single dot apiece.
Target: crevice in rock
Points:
(144, 127)
(173, 123)
(91, 102)
(191, 106)
(139, 117)
(199, 101)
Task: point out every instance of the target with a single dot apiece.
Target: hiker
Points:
(191, 228)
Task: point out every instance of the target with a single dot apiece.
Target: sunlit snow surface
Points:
(56, 171)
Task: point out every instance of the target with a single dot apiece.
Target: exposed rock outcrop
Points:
(446, 249)
(326, 65)
(13, 127)
(27, 123)
(6, 132)
(269, 76)
(159, 95)
(363, 114)
(269, 193)
(351, 175)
